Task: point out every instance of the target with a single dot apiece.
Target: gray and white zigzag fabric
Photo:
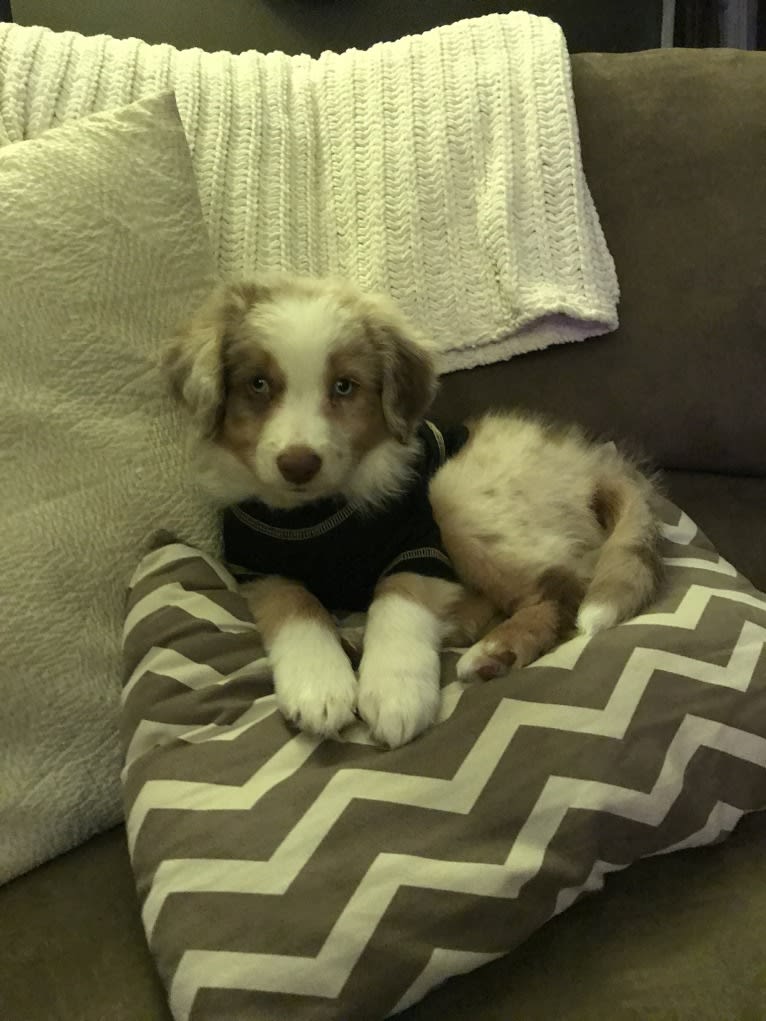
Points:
(281, 876)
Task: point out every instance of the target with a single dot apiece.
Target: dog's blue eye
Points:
(259, 385)
(343, 387)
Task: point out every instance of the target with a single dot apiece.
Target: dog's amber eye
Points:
(343, 387)
(259, 385)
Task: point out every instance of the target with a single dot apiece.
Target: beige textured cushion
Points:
(285, 877)
(103, 248)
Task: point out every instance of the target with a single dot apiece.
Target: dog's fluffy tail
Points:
(629, 568)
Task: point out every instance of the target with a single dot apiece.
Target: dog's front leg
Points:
(313, 678)
(399, 674)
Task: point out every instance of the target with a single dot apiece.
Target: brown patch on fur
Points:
(274, 601)
(470, 618)
(525, 636)
(542, 618)
(191, 365)
(245, 412)
(361, 413)
(355, 360)
(240, 434)
(629, 569)
(194, 361)
(491, 538)
(228, 305)
(648, 554)
(539, 611)
(606, 506)
(408, 375)
(246, 361)
(505, 585)
(243, 294)
(562, 587)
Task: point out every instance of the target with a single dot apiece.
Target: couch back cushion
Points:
(674, 147)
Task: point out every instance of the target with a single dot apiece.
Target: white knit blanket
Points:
(444, 168)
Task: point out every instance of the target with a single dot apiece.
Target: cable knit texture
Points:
(443, 168)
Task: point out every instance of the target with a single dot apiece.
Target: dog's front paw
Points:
(316, 688)
(398, 701)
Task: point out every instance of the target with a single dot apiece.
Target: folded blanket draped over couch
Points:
(444, 168)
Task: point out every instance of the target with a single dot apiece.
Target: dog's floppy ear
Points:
(408, 371)
(193, 360)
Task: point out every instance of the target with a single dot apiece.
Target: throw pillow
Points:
(103, 250)
(282, 876)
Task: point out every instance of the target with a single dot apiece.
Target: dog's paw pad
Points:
(486, 671)
(319, 700)
(397, 708)
(324, 714)
(483, 664)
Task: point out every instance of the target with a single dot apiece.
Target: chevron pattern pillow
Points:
(281, 876)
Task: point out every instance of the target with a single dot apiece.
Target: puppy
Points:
(308, 398)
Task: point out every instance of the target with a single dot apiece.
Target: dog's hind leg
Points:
(540, 620)
(471, 617)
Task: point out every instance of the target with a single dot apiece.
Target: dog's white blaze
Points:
(300, 333)
(298, 342)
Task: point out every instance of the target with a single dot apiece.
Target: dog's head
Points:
(303, 388)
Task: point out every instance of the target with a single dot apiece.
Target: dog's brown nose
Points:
(299, 464)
